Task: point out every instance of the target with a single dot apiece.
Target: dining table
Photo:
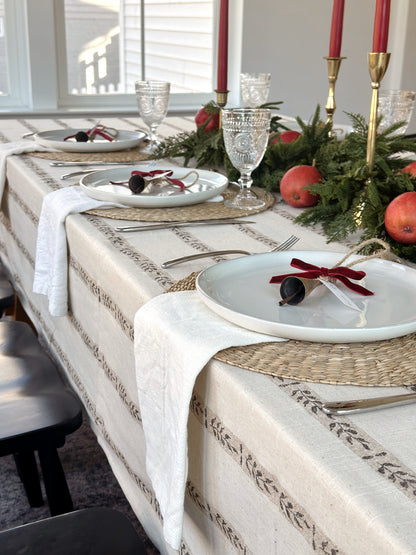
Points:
(268, 470)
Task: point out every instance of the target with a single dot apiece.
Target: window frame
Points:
(37, 65)
(16, 50)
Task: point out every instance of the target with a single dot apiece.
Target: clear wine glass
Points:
(395, 106)
(255, 88)
(153, 101)
(245, 132)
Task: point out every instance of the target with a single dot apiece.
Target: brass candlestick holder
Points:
(222, 97)
(333, 69)
(377, 66)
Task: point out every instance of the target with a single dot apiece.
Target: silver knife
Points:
(91, 170)
(182, 224)
(358, 405)
(93, 163)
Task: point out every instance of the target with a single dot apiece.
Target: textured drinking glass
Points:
(255, 88)
(395, 106)
(153, 101)
(246, 132)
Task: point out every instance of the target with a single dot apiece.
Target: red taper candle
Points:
(381, 26)
(223, 47)
(336, 29)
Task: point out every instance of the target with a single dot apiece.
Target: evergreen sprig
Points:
(280, 156)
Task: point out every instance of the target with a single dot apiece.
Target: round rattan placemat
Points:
(377, 363)
(133, 155)
(202, 211)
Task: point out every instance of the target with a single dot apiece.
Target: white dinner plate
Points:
(239, 291)
(97, 185)
(55, 139)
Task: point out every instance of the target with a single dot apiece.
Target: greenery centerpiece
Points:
(351, 196)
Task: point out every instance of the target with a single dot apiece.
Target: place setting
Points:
(104, 145)
(97, 139)
(245, 134)
(95, 146)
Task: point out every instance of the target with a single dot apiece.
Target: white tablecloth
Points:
(269, 472)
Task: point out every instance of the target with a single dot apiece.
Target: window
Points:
(13, 69)
(87, 54)
(4, 69)
(107, 48)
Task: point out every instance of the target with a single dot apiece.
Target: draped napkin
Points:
(51, 264)
(17, 147)
(175, 335)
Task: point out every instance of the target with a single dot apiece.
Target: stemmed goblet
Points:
(254, 88)
(246, 133)
(153, 101)
(395, 106)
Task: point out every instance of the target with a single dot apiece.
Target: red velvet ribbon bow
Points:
(106, 133)
(341, 273)
(165, 173)
(99, 130)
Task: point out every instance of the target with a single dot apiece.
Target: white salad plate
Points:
(239, 291)
(209, 184)
(55, 139)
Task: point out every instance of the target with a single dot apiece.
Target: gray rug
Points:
(90, 480)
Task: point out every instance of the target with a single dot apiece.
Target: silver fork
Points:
(289, 242)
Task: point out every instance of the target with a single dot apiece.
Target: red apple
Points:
(204, 114)
(284, 137)
(400, 218)
(293, 183)
(410, 168)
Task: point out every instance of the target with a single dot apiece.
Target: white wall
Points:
(289, 39)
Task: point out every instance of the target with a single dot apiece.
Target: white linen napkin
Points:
(51, 264)
(17, 147)
(175, 335)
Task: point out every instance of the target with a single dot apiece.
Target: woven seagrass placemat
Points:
(377, 363)
(205, 211)
(132, 155)
(202, 211)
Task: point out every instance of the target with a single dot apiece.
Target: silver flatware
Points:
(360, 405)
(92, 163)
(90, 170)
(289, 242)
(79, 172)
(168, 225)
